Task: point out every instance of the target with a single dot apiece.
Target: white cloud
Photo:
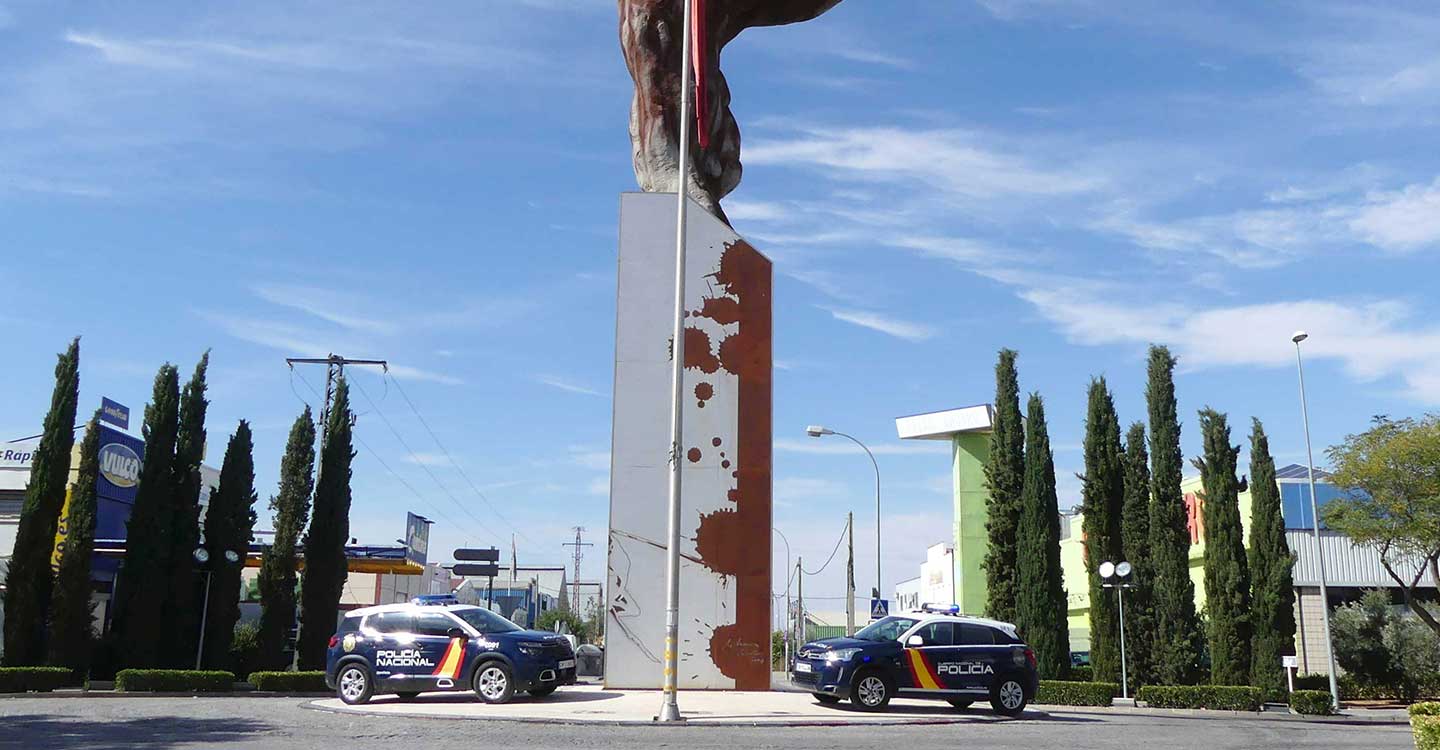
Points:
(885, 324)
(1405, 220)
(599, 486)
(833, 446)
(567, 385)
(590, 459)
(740, 210)
(329, 306)
(406, 372)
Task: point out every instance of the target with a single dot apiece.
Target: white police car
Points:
(929, 653)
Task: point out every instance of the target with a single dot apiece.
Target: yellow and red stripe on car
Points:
(920, 671)
(450, 663)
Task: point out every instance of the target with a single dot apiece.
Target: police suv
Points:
(928, 653)
(433, 643)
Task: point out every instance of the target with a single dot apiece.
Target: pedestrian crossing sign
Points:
(879, 608)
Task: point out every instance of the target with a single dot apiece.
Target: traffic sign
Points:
(488, 570)
(478, 555)
(879, 608)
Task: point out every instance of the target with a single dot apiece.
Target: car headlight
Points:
(532, 649)
(840, 654)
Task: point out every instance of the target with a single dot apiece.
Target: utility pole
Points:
(800, 600)
(579, 555)
(850, 577)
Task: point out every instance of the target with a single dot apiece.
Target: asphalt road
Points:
(272, 723)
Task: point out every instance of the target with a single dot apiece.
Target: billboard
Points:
(417, 539)
(119, 458)
(725, 457)
(115, 413)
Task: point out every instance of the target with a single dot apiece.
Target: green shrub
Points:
(1058, 693)
(173, 681)
(1425, 723)
(289, 682)
(1312, 702)
(1314, 681)
(1214, 697)
(1082, 673)
(245, 649)
(34, 679)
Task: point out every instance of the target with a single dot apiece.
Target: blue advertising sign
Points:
(115, 413)
(121, 457)
(417, 538)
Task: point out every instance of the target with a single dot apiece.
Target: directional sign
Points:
(879, 608)
(478, 555)
(488, 570)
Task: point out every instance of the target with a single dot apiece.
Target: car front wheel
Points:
(870, 691)
(354, 685)
(1008, 696)
(494, 683)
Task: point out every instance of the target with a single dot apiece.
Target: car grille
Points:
(804, 678)
(812, 653)
(559, 650)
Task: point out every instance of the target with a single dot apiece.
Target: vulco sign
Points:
(119, 465)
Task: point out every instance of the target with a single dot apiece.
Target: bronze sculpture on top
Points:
(650, 35)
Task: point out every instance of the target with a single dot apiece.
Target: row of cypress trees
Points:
(1134, 510)
(158, 595)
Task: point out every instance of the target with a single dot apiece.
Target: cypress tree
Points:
(277, 565)
(138, 598)
(1005, 478)
(1227, 574)
(325, 569)
(1177, 629)
(1273, 589)
(1135, 535)
(1040, 607)
(1103, 497)
(28, 585)
(181, 621)
(229, 527)
(72, 614)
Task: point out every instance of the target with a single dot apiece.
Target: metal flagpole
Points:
(1315, 521)
(1124, 669)
(669, 707)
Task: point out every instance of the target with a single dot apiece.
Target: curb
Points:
(78, 693)
(1397, 719)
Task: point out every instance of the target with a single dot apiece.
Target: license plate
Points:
(801, 666)
(567, 663)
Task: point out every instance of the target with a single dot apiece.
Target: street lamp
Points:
(816, 431)
(202, 556)
(1315, 521)
(1120, 574)
(787, 594)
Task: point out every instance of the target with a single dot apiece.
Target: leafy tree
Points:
(569, 622)
(1380, 647)
(1272, 587)
(325, 567)
(28, 585)
(229, 527)
(1392, 472)
(277, 579)
(1040, 607)
(72, 614)
(1135, 535)
(1103, 492)
(1177, 629)
(181, 623)
(1005, 478)
(1227, 573)
(148, 532)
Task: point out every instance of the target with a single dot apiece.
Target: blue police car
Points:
(436, 645)
(931, 653)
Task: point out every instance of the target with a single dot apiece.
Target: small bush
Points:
(1315, 681)
(1057, 693)
(34, 679)
(1312, 702)
(1213, 697)
(1425, 723)
(1082, 673)
(245, 649)
(173, 681)
(289, 682)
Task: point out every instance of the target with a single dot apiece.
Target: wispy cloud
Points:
(324, 304)
(569, 386)
(843, 447)
(406, 372)
(427, 459)
(890, 326)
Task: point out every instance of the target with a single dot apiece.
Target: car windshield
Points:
(484, 620)
(886, 629)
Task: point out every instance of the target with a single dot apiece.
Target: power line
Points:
(832, 553)
(401, 390)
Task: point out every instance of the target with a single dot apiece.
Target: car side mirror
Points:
(915, 640)
(457, 633)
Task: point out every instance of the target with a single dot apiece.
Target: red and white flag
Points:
(698, 46)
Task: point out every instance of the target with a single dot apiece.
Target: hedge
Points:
(1312, 702)
(34, 679)
(1428, 686)
(289, 682)
(1082, 673)
(173, 681)
(1425, 723)
(1215, 697)
(1057, 693)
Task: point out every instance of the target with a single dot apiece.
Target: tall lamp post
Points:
(788, 629)
(1315, 521)
(816, 431)
(202, 556)
(1120, 575)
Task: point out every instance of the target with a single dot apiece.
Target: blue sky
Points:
(437, 184)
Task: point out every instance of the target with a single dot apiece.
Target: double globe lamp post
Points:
(1117, 576)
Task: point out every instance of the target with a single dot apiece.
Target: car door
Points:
(976, 655)
(394, 638)
(442, 653)
(924, 660)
